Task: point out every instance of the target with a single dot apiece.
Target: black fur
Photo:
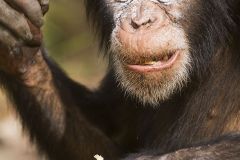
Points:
(74, 123)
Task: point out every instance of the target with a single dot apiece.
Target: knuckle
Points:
(44, 2)
(21, 25)
(45, 9)
(24, 29)
(44, 5)
(6, 38)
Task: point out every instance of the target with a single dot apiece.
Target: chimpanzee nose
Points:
(144, 16)
(142, 21)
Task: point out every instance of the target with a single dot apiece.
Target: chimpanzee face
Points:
(150, 48)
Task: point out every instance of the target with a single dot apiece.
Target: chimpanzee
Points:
(171, 92)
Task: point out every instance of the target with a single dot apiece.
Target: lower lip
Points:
(158, 66)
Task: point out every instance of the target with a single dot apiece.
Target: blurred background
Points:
(69, 41)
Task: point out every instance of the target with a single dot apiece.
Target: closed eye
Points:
(121, 1)
(166, 2)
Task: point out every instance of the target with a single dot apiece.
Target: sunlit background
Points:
(69, 42)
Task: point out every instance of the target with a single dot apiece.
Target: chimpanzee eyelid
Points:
(121, 1)
(166, 2)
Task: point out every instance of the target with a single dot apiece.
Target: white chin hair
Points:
(153, 90)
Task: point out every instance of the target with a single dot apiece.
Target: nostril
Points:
(135, 25)
(138, 23)
(147, 22)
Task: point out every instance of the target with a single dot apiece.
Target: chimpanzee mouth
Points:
(153, 63)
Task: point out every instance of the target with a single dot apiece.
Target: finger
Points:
(31, 8)
(45, 5)
(7, 39)
(15, 21)
(37, 35)
(8, 44)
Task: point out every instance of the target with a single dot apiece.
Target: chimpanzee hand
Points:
(20, 34)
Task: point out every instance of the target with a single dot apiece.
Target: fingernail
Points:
(45, 8)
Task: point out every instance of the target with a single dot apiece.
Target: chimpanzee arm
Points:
(41, 94)
(225, 148)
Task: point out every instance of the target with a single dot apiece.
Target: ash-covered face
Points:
(149, 47)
